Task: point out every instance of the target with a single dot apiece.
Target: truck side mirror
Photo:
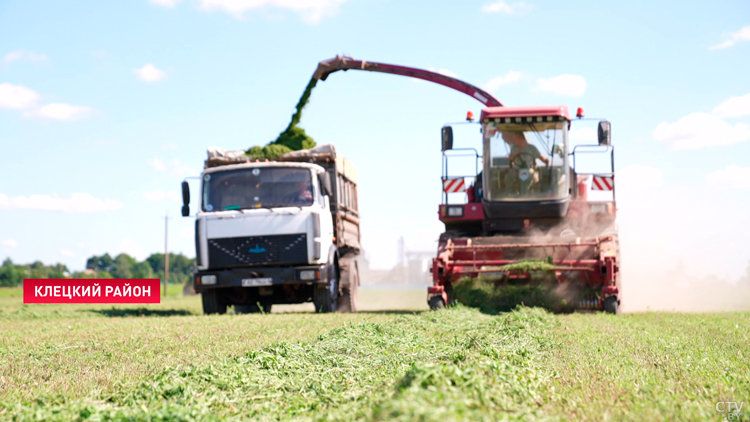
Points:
(185, 198)
(605, 133)
(324, 180)
(447, 138)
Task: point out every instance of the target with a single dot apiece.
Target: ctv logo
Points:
(732, 409)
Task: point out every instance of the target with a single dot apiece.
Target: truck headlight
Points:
(455, 211)
(208, 279)
(308, 275)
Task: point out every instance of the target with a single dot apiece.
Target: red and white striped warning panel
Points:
(603, 183)
(454, 185)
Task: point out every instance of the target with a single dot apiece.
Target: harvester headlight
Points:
(208, 279)
(455, 211)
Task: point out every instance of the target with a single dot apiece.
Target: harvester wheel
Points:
(212, 303)
(436, 302)
(611, 305)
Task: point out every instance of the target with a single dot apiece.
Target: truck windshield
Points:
(262, 187)
(525, 161)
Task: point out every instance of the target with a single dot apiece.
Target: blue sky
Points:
(106, 106)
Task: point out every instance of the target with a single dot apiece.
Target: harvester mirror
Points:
(185, 198)
(324, 180)
(447, 138)
(605, 133)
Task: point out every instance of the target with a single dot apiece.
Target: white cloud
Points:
(742, 35)
(78, 202)
(173, 195)
(66, 252)
(700, 130)
(511, 78)
(165, 3)
(132, 248)
(17, 97)
(157, 164)
(9, 243)
(445, 72)
(61, 111)
(563, 85)
(24, 55)
(734, 107)
(501, 6)
(170, 147)
(311, 11)
(733, 177)
(176, 168)
(150, 73)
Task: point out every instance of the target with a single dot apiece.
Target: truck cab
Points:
(265, 234)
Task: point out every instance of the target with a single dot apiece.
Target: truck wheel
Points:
(436, 302)
(348, 301)
(326, 298)
(611, 305)
(212, 303)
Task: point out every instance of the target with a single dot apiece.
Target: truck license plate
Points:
(250, 282)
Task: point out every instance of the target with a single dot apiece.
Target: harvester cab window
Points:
(263, 187)
(525, 161)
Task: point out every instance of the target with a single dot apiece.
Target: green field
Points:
(168, 362)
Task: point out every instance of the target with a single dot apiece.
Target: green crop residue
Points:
(529, 265)
(489, 297)
(293, 138)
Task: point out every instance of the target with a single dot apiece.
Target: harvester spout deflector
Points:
(326, 67)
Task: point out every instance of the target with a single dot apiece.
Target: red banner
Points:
(106, 290)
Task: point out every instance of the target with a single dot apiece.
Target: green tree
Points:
(11, 275)
(124, 266)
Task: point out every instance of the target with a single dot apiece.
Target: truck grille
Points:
(257, 250)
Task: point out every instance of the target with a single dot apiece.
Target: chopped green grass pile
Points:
(491, 297)
(452, 365)
(293, 138)
(528, 265)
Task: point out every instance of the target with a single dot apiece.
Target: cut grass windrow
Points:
(456, 364)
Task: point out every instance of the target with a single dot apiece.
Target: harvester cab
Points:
(526, 180)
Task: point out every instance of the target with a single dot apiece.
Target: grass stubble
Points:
(455, 364)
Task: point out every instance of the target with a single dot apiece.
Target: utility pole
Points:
(166, 252)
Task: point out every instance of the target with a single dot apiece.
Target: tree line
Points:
(104, 266)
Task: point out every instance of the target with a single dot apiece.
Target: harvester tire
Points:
(436, 302)
(612, 305)
(212, 303)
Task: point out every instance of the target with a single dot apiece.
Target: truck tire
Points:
(212, 303)
(326, 297)
(349, 299)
